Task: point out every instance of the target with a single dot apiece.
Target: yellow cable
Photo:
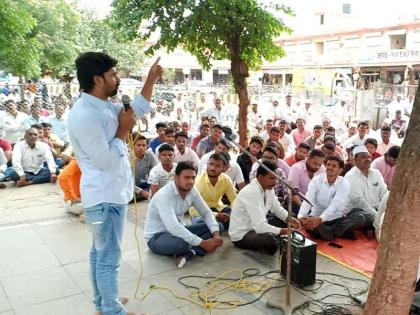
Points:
(131, 143)
(211, 298)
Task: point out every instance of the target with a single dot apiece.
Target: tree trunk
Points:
(394, 278)
(239, 82)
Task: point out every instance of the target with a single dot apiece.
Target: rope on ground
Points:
(214, 294)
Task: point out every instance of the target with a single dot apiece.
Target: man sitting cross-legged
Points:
(28, 160)
(328, 193)
(213, 184)
(249, 228)
(165, 231)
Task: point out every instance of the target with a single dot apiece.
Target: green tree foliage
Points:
(99, 35)
(238, 30)
(19, 50)
(46, 36)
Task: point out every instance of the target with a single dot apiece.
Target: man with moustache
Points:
(98, 131)
(328, 194)
(367, 187)
(165, 230)
(249, 227)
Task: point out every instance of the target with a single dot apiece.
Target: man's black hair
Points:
(169, 131)
(270, 165)
(338, 159)
(304, 145)
(46, 125)
(225, 143)
(218, 126)
(161, 125)
(315, 152)
(37, 126)
(218, 157)
(317, 127)
(166, 147)
(136, 137)
(271, 149)
(372, 141)
(91, 64)
(185, 165)
(181, 134)
(394, 151)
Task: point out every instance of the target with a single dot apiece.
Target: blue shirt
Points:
(155, 143)
(59, 128)
(103, 158)
(166, 210)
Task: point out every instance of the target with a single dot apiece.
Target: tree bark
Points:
(394, 278)
(239, 82)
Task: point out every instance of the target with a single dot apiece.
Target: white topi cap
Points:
(360, 149)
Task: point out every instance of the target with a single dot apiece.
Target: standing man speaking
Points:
(98, 132)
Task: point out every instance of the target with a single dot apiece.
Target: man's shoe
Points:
(325, 232)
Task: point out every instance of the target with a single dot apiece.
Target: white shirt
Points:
(355, 140)
(166, 210)
(250, 209)
(234, 171)
(103, 159)
(26, 159)
(3, 161)
(189, 155)
(365, 192)
(288, 142)
(13, 128)
(159, 176)
(328, 200)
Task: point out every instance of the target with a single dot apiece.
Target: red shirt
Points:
(375, 155)
(194, 142)
(290, 160)
(5, 145)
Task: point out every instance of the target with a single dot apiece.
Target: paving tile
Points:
(38, 286)
(71, 305)
(70, 251)
(25, 252)
(79, 272)
(152, 264)
(4, 301)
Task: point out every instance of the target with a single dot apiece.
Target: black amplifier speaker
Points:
(303, 259)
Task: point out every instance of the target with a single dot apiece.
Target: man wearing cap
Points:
(367, 186)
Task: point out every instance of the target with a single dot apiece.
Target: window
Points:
(196, 74)
(397, 41)
(321, 19)
(346, 8)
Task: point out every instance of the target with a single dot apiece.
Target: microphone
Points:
(126, 101)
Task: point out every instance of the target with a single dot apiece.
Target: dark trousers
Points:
(143, 185)
(43, 176)
(164, 243)
(224, 225)
(264, 242)
(356, 219)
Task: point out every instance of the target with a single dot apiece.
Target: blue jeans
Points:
(107, 221)
(164, 243)
(6, 174)
(43, 176)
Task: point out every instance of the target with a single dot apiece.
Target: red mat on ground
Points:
(359, 255)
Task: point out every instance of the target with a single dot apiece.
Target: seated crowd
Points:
(192, 171)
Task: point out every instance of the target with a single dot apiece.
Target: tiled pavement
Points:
(44, 263)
